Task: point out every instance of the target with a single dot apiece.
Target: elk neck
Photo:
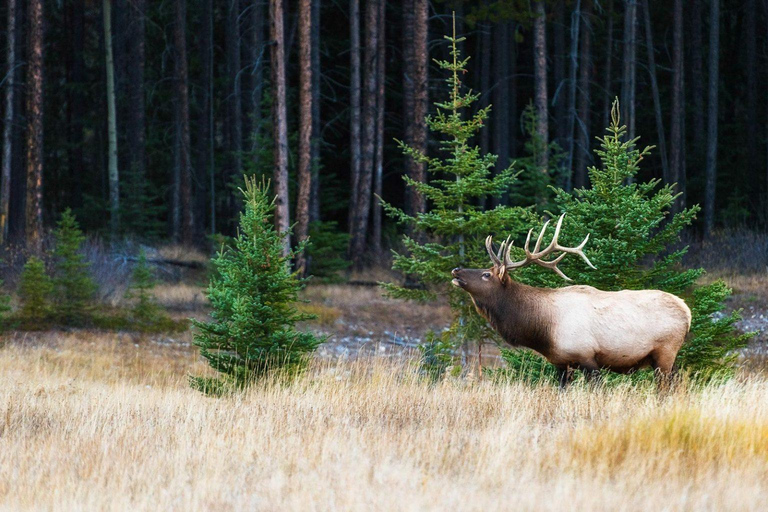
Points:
(520, 314)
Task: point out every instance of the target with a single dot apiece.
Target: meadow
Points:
(92, 420)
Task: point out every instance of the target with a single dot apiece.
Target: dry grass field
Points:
(94, 421)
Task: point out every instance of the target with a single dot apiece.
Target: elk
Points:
(576, 327)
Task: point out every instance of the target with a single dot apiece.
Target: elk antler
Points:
(495, 257)
(536, 256)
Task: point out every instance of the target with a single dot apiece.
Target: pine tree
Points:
(632, 245)
(73, 285)
(451, 233)
(253, 294)
(35, 291)
(145, 310)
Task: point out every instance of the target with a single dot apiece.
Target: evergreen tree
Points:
(73, 285)
(253, 294)
(632, 245)
(451, 233)
(35, 291)
(145, 310)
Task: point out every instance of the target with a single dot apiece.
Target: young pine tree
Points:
(35, 291)
(73, 285)
(452, 233)
(253, 294)
(632, 232)
(145, 310)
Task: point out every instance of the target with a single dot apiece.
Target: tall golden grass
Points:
(109, 423)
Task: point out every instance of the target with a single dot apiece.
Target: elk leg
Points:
(592, 376)
(565, 376)
(663, 363)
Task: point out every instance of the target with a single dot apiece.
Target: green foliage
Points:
(35, 292)
(146, 313)
(74, 288)
(326, 251)
(253, 294)
(436, 355)
(632, 236)
(452, 233)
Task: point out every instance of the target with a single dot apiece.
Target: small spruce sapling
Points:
(73, 285)
(35, 292)
(145, 310)
(253, 294)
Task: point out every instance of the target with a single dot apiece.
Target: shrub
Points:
(74, 288)
(253, 294)
(35, 292)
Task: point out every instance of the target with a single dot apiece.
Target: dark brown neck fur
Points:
(519, 314)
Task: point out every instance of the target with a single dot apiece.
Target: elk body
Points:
(577, 327)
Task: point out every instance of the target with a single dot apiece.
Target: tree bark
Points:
(234, 102)
(363, 207)
(574, 57)
(205, 122)
(629, 70)
(714, 76)
(585, 72)
(662, 141)
(560, 100)
(607, 75)
(5, 184)
(279, 122)
(698, 106)
(184, 226)
(114, 177)
(305, 129)
(378, 167)
(314, 195)
(135, 116)
(485, 82)
(501, 138)
(677, 138)
(354, 114)
(34, 130)
(540, 83)
(418, 113)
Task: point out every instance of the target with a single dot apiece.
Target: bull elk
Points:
(576, 327)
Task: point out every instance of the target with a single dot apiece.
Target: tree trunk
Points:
(662, 141)
(354, 114)
(677, 139)
(314, 195)
(5, 184)
(574, 57)
(114, 179)
(628, 73)
(34, 131)
(135, 116)
(418, 112)
(378, 167)
(559, 96)
(205, 142)
(234, 125)
(607, 75)
(500, 114)
(305, 129)
(540, 83)
(76, 100)
(279, 122)
(363, 207)
(585, 71)
(714, 76)
(698, 106)
(183, 214)
(485, 82)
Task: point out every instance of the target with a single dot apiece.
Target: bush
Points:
(35, 292)
(253, 294)
(74, 288)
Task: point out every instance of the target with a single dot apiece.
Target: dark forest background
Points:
(142, 116)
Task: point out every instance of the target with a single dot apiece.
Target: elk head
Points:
(485, 282)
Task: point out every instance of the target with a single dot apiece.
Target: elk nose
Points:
(455, 271)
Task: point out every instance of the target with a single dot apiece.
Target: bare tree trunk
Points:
(378, 167)
(34, 132)
(540, 82)
(314, 195)
(363, 207)
(559, 96)
(417, 113)
(698, 106)
(655, 89)
(279, 122)
(234, 125)
(183, 167)
(485, 81)
(714, 76)
(205, 122)
(607, 74)
(575, 26)
(5, 184)
(677, 138)
(628, 74)
(585, 72)
(354, 116)
(305, 129)
(114, 179)
(255, 57)
(500, 114)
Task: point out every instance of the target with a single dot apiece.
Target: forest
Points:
(143, 117)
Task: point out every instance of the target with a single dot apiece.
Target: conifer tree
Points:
(74, 287)
(451, 233)
(35, 290)
(253, 295)
(145, 310)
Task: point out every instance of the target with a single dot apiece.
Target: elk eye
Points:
(486, 275)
